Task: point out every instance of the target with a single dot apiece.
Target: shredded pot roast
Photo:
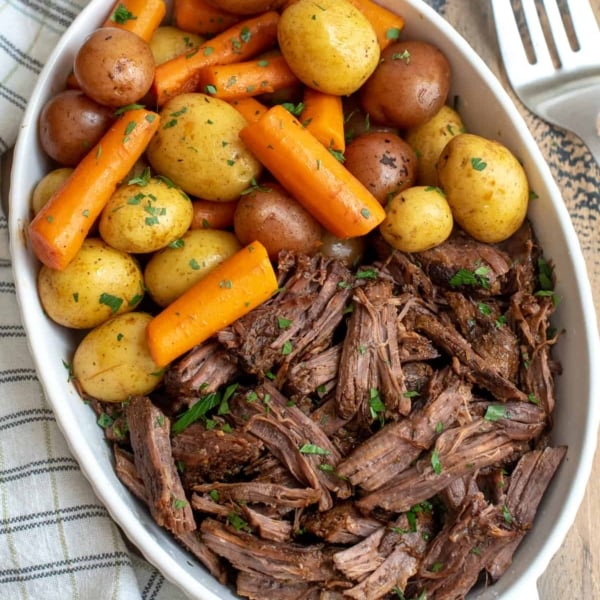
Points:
(369, 432)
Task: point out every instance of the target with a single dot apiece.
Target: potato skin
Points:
(141, 219)
(429, 139)
(409, 86)
(172, 271)
(99, 283)
(198, 147)
(71, 124)
(168, 41)
(485, 185)
(114, 67)
(383, 162)
(246, 7)
(113, 361)
(417, 219)
(271, 216)
(332, 48)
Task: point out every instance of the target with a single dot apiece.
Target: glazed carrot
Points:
(141, 17)
(238, 43)
(58, 230)
(212, 215)
(387, 25)
(323, 116)
(232, 289)
(198, 16)
(250, 108)
(246, 79)
(312, 174)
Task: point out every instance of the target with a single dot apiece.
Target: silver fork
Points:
(561, 84)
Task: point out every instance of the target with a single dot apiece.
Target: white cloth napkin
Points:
(57, 540)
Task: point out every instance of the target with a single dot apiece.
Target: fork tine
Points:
(558, 31)
(509, 40)
(584, 24)
(536, 34)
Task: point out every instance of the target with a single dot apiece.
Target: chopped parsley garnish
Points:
(478, 277)
(113, 302)
(121, 15)
(495, 412)
(435, 462)
(313, 449)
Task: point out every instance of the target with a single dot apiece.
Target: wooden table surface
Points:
(574, 572)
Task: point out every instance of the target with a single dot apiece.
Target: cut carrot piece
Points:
(387, 25)
(246, 79)
(312, 174)
(58, 230)
(198, 16)
(238, 43)
(250, 108)
(212, 215)
(323, 116)
(141, 17)
(233, 288)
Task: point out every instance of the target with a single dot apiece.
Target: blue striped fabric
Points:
(56, 540)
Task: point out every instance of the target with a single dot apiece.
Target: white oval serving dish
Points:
(486, 110)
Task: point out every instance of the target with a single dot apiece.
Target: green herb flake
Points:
(130, 127)
(295, 109)
(179, 503)
(226, 284)
(214, 494)
(142, 179)
(476, 278)
(326, 467)
(405, 56)
(367, 274)
(283, 323)
(484, 309)
(478, 164)
(75, 296)
(439, 427)
(435, 462)
(105, 420)
(365, 212)
(286, 348)
(313, 449)
(508, 518)
(170, 123)
(393, 33)
(238, 523)
(121, 15)
(193, 263)
(176, 244)
(113, 302)
(495, 412)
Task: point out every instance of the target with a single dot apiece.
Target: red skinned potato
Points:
(246, 7)
(383, 162)
(70, 124)
(114, 67)
(277, 220)
(409, 85)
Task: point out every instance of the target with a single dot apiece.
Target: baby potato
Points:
(145, 218)
(409, 85)
(168, 41)
(47, 185)
(198, 147)
(417, 219)
(383, 162)
(172, 271)
(113, 362)
(428, 141)
(329, 45)
(485, 185)
(99, 283)
(271, 216)
(115, 67)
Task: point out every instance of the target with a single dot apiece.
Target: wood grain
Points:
(574, 572)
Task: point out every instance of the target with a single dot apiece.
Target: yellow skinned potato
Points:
(428, 141)
(168, 42)
(172, 271)
(99, 283)
(417, 219)
(113, 362)
(47, 185)
(485, 185)
(329, 45)
(145, 218)
(198, 148)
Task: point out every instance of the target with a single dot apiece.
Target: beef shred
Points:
(374, 432)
